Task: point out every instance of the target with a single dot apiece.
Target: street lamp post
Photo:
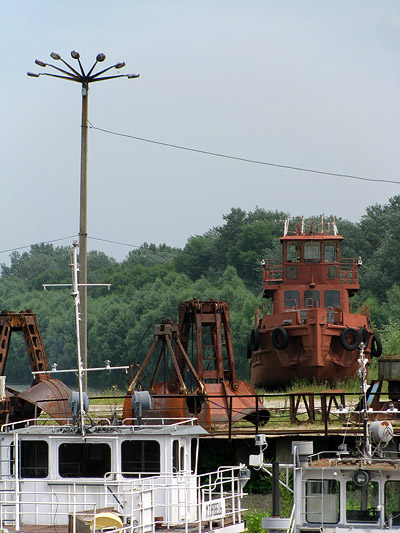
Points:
(84, 79)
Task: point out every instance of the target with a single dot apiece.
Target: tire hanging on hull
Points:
(354, 341)
(280, 338)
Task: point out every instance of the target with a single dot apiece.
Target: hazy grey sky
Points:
(304, 83)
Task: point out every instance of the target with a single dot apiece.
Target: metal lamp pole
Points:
(84, 79)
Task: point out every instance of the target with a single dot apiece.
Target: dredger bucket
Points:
(214, 410)
(219, 397)
(50, 396)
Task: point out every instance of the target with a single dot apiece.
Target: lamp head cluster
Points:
(80, 77)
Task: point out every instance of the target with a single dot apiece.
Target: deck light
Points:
(100, 57)
(55, 56)
(75, 54)
(40, 63)
(361, 478)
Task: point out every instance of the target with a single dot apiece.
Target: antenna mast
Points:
(75, 295)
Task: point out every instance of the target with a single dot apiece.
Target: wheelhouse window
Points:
(291, 298)
(194, 455)
(392, 501)
(332, 272)
(312, 252)
(33, 459)
(332, 298)
(330, 252)
(84, 459)
(291, 271)
(140, 456)
(293, 252)
(311, 298)
(362, 502)
(322, 501)
(178, 456)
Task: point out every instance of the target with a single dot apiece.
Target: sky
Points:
(302, 83)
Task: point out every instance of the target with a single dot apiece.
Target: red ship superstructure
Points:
(313, 330)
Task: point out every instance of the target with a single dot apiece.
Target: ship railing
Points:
(358, 308)
(349, 270)
(133, 422)
(272, 307)
(64, 424)
(272, 270)
(182, 499)
(38, 421)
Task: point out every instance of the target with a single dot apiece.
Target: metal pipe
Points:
(83, 232)
(275, 490)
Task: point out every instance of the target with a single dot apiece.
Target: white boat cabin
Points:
(144, 475)
(334, 492)
(343, 493)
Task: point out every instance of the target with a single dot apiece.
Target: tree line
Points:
(223, 264)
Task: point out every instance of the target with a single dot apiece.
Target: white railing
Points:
(183, 499)
(63, 425)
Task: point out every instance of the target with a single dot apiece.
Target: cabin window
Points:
(138, 456)
(33, 459)
(84, 459)
(293, 252)
(322, 501)
(392, 501)
(175, 456)
(291, 272)
(291, 298)
(194, 455)
(312, 252)
(332, 298)
(332, 272)
(178, 456)
(362, 502)
(311, 298)
(330, 252)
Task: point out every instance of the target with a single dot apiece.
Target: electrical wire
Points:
(35, 244)
(243, 159)
(115, 242)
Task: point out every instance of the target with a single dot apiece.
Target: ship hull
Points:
(315, 350)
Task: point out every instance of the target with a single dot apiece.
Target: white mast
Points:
(75, 295)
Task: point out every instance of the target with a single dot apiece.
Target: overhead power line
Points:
(35, 244)
(73, 236)
(115, 242)
(243, 159)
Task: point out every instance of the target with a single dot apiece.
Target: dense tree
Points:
(148, 285)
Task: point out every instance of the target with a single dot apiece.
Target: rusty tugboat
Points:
(312, 329)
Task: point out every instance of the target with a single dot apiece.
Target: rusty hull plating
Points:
(312, 330)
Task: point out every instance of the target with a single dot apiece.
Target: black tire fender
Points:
(349, 332)
(364, 336)
(376, 346)
(280, 338)
(255, 339)
(249, 350)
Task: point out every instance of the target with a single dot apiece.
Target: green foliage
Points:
(254, 521)
(223, 264)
